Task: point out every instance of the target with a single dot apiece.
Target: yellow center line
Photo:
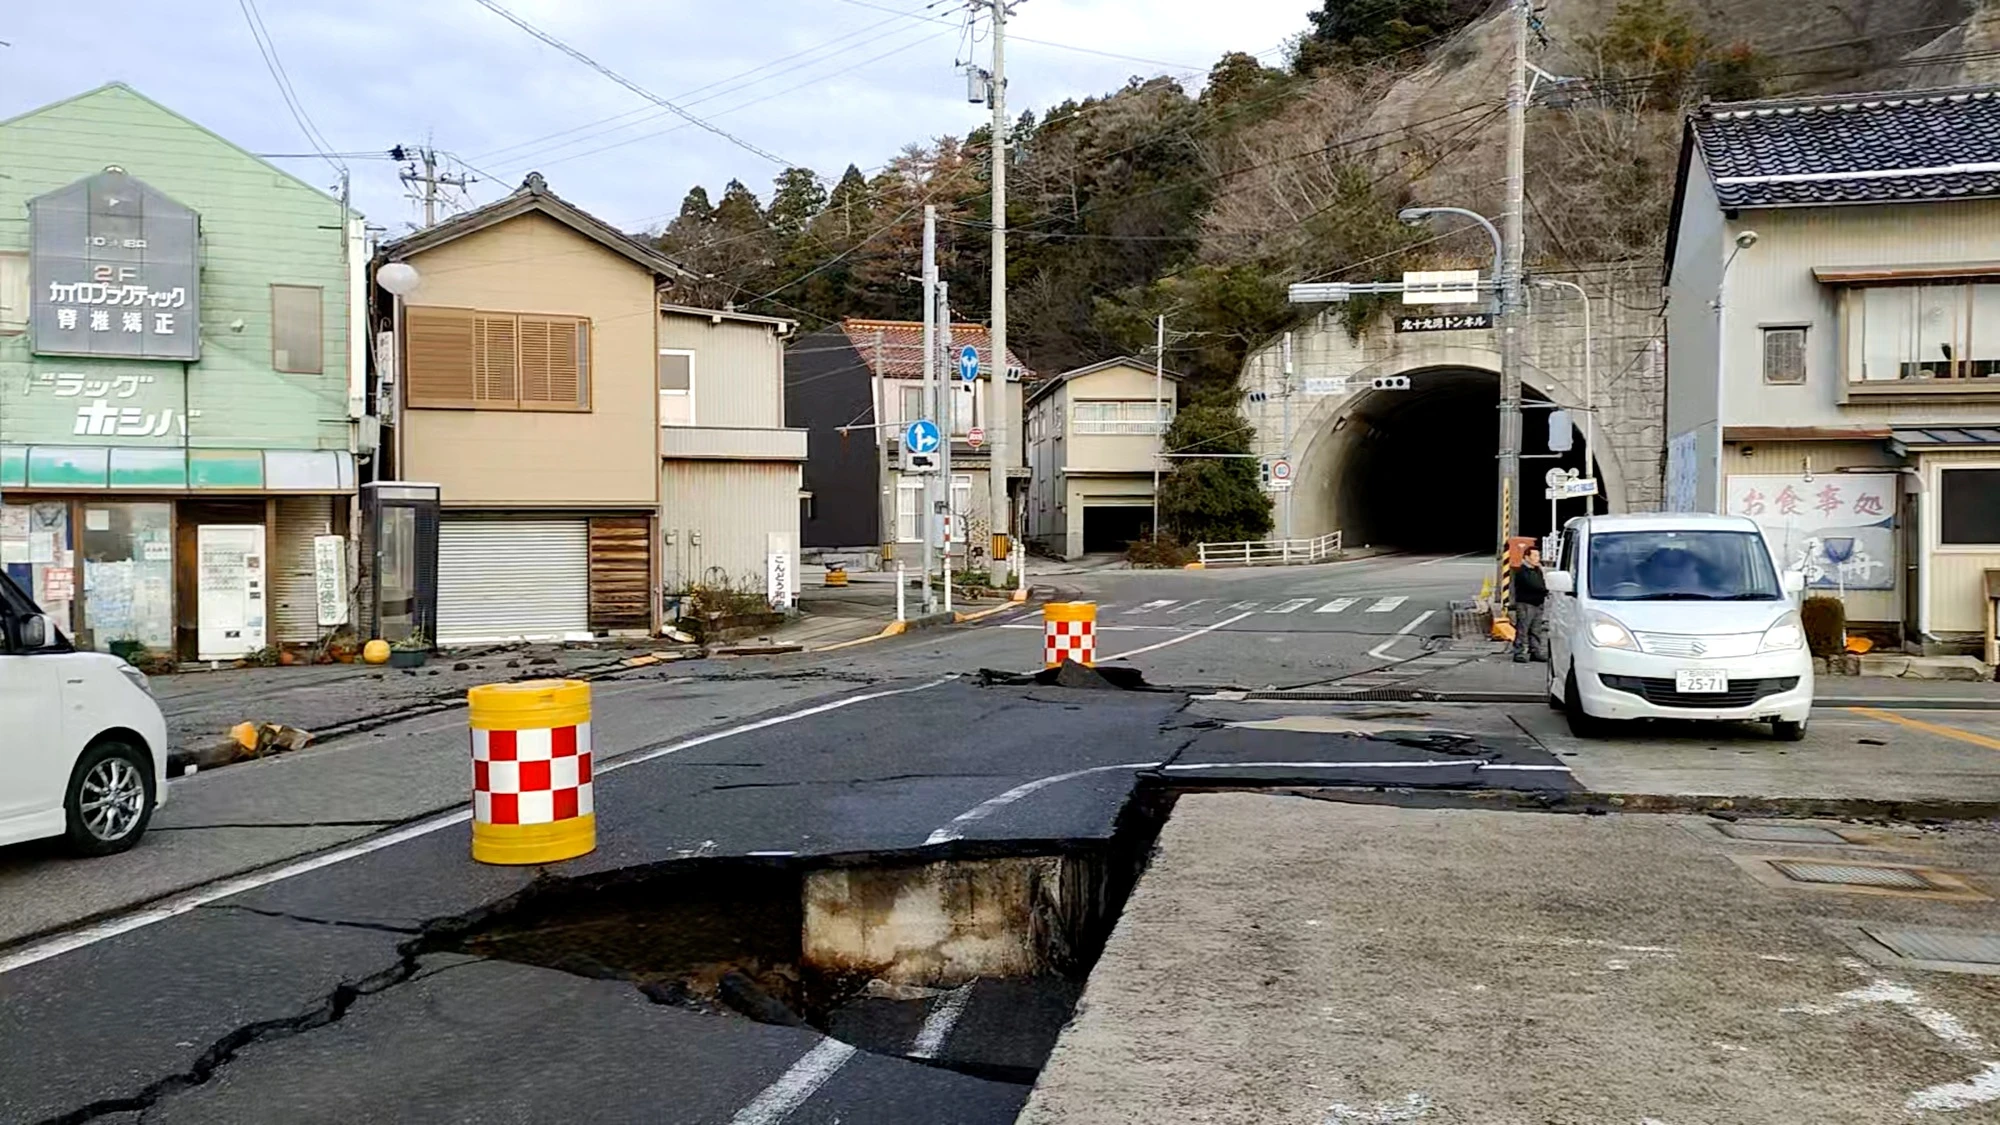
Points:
(1931, 728)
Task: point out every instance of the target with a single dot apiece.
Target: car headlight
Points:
(1607, 632)
(137, 677)
(1785, 633)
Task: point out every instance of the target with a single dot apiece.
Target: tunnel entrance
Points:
(1418, 469)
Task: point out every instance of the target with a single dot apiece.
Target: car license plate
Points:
(1701, 681)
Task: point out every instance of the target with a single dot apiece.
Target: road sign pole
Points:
(947, 421)
(927, 506)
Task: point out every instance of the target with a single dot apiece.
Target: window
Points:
(1650, 566)
(961, 508)
(1924, 332)
(1122, 417)
(1968, 507)
(298, 340)
(964, 406)
(909, 503)
(13, 293)
(1784, 355)
(676, 388)
(911, 399)
(470, 359)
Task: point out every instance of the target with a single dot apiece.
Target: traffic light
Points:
(1390, 383)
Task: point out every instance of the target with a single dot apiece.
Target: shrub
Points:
(1166, 551)
(1825, 621)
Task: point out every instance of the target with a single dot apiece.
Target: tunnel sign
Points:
(1438, 323)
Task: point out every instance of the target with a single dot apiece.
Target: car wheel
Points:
(1582, 723)
(110, 799)
(1785, 730)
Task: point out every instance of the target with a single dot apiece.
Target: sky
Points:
(820, 83)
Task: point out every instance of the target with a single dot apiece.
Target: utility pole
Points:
(1510, 284)
(947, 421)
(1286, 393)
(430, 177)
(1159, 414)
(999, 425)
(925, 520)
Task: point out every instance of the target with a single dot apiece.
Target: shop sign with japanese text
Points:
(1443, 323)
(115, 272)
(108, 404)
(1837, 527)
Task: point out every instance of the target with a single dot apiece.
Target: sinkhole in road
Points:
(969, 961)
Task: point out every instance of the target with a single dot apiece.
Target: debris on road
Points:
(1068, 674)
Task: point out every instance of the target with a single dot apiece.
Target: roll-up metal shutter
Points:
(512, 579)
(293, 587)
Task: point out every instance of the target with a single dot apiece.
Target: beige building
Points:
(730, 469)
(1094, 439)
(1833, 346)
(593, 443)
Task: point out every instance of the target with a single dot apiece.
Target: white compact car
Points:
(1675, 617)
(83, 747)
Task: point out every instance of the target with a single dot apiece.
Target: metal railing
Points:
(1271, 552)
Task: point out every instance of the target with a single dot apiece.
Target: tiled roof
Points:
(895, 348)
(1853, 148)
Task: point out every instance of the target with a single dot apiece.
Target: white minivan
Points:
(1675, 616)
(83, 747)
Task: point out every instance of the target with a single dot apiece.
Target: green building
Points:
(178, 395)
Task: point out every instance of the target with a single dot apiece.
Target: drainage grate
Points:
(1853, 875)
(1939, 945)
(1782, 833)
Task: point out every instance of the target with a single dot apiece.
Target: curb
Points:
(1433, 695)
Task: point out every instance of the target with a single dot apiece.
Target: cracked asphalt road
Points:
(316, 997)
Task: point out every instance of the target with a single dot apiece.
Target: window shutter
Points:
(499, 381)
(440, 368)
(1784, 355)
(534, 359)
(552, 366)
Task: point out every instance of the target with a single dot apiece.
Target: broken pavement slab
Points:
(1291, 960)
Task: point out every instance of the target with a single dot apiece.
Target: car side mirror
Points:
(1560, 582)
(36, 632)
(1795, 581)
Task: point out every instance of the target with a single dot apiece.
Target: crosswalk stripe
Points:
(1241, 605)
(1387, 605)
(1185, 606)
(1290, 606)
(1151, 606)
(1336, 605)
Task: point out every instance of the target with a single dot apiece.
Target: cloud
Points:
(859, 83)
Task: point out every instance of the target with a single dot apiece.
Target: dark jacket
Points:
(1529, 586)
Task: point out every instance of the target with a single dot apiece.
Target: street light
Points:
(1589, 383)
(1417, 216)
(1744, 241)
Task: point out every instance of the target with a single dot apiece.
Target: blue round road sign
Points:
(968, 363)
(921, 436)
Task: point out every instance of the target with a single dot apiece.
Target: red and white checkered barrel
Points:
(1069, 632)
(531, 772)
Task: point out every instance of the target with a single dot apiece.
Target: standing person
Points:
(1530, 591)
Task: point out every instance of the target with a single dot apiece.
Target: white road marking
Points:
(1418, 764)
(1185, 606)
(937, 1026)
(796, 1085)
(1038, 627)
(1151, 606)
(1387, 605)
(1291, 606)
(1175, 640)
(1414, 1107)
(1381, 651)
(1241, 605)
(1449, 558)
(176, 905)
(1978, 1090)
(956, 829)
(1336, 605)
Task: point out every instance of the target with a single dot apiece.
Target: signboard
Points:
(975, 437)
(115, 271)
(1683, 472)
(1319, 387)
(1837, 527)
(921, 436)
(1452, 323)
(1278, 476)
(1562, 433)
(1440, 287)
(968, 363)
(330, 578)
(781, 579)
(1569, 489)
(110, 404)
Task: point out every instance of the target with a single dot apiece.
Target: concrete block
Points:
(935, 925)
(1965, 668)
(1884, 664)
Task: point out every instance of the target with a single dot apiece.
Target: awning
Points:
(1903, 440)
(175, 470)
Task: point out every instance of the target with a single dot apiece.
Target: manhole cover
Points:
(1852, 875)
(1783, 833)
(1939, 945)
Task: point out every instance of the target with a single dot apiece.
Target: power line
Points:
(268, 48)
(1043, 42)
(494, 7)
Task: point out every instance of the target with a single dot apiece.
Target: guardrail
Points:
(1271, 552)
